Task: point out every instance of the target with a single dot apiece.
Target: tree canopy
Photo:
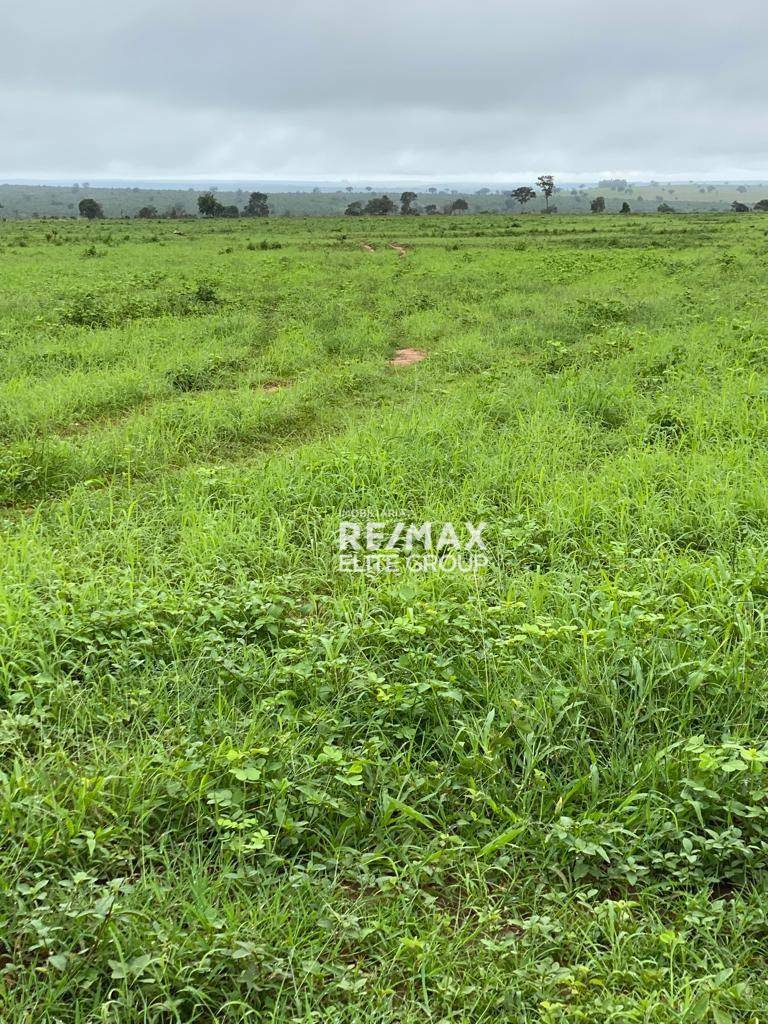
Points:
(257, 205)
(547, 185)
(90, 209)
(380, 206)
(524, 194)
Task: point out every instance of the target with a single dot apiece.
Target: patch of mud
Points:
(400, 249)
(407, 357)
(366, 248)
(271, 386)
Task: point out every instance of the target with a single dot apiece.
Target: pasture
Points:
(237, 784)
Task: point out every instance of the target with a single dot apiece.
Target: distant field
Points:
(27, 201)
(237, 784)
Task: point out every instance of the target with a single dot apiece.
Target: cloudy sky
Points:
(492, 90)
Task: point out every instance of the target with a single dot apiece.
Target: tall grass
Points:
(236, 784)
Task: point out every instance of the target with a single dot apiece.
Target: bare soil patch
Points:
(407, 357)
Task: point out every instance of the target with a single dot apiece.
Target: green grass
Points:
(239, 785)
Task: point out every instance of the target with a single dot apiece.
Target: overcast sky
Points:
(492, 90)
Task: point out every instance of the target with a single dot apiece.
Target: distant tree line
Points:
(382, 206)
(175, 212)
(761, 206)
(209, 206)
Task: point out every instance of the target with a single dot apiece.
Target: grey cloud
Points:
(307, 90)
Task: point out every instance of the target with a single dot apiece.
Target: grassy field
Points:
(237, 784)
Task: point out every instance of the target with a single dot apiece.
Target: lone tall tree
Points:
(547, 185)
(523, 195)
(407, 199)
(90, 209)
(597, 205)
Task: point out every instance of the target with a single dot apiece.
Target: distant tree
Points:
(380, 206)
(407, 199)
(483, 192)
(228, 211)
(524, 194)
(597, 205)
(432, 190)
(90, 209)
(459, 206)
(741, 188)
(209, 205)
(350, 189)
(615, 184)
(147, 213)
(625, 208)
(257, 205)
(665, 208)
(761, 205)
(430, 209)
(547, 185)
(354, 209)
(738, 207)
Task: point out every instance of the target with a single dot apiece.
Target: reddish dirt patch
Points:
(407, 357)
(366, 248)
